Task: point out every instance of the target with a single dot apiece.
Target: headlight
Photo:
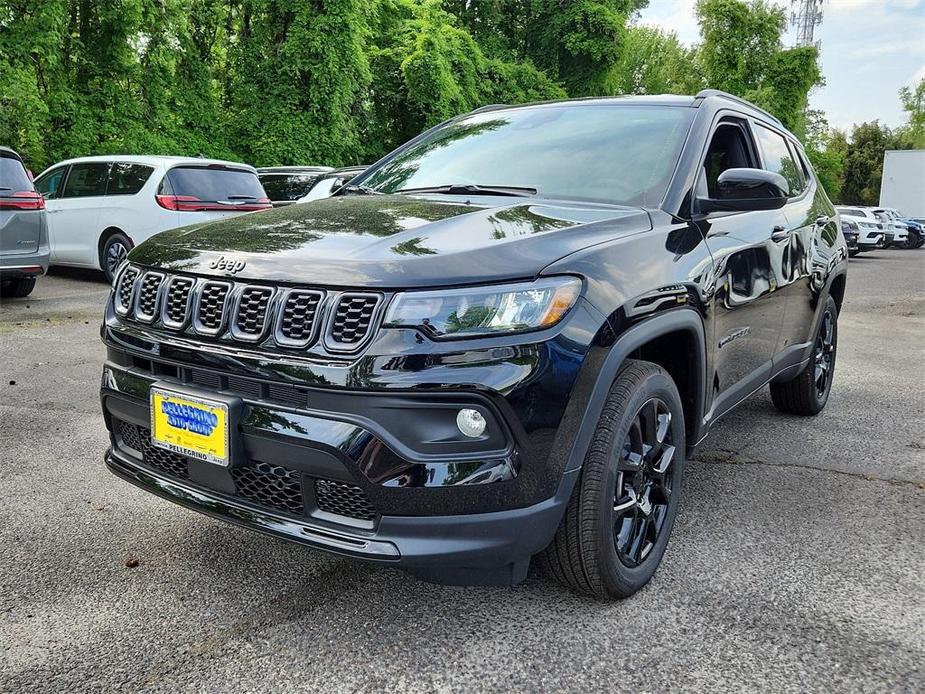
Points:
(471, 312)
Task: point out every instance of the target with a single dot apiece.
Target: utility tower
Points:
(805, 15)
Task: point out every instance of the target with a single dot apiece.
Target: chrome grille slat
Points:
(126, 291)
(251, 313)
(175, 312)
(211, 307)
(352, 320)
(299, 317)
(147, 296)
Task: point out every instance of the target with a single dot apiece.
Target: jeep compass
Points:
(500, 342)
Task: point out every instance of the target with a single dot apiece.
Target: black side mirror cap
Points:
(746, 190)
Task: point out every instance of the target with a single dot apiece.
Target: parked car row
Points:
(91, 211)
(870, 228)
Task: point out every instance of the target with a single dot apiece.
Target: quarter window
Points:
(127, 179)
(777, 158)
(86, 180)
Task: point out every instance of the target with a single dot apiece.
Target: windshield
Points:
(603, 152)
(212, 184)
(13, 177)
(288, 186)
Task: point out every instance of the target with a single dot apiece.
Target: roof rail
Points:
(704, 93)
(487, 107)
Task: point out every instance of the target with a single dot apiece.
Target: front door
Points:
(74, 214)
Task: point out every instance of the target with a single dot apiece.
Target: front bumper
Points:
(488, 548)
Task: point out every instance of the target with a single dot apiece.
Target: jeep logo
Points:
(229, 266)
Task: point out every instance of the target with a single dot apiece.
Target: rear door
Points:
(21, 208)
(201, 193)
(75, 212)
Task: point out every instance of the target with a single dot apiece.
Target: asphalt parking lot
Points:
(797, 562)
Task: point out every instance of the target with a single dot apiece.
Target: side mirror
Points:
(747, 190)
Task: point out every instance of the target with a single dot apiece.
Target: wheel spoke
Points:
(661, 466)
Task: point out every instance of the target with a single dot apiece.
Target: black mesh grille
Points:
(270, 485)
(211, 309)
(126, 284)
(297, 319)
(252, 311)
(148, 294)
(343, 499)
(139, 439)
(177, 300)
(352, 319)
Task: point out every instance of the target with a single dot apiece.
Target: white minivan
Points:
(99, 208)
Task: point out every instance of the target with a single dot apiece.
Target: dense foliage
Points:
(344, 81)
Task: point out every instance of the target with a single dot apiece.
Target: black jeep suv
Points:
(501, 341)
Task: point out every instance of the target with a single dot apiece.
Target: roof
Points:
(293, 169)
(155, 160)
(12, 152)
(653, 99)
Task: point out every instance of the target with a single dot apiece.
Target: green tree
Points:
(863, 168)
(913, 102)
(655, 62)
(826, 148)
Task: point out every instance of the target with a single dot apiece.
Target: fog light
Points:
(471, 423)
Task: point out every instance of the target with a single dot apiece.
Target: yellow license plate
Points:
(190, 426)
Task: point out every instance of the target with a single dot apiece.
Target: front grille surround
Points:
(339, 323)
(353, 320)
(256, 301)
(148, 296)
(299, 317)
(211, 296)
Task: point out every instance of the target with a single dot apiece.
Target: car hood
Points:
(391, 241)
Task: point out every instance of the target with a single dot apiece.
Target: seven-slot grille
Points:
(352, 320)
(251, 317)
(293, 317)
(126, 290)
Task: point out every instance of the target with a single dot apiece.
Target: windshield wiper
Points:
(357, 190)
(472, 189)
(240, 196)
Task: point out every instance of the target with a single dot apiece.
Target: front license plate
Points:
(190, 426)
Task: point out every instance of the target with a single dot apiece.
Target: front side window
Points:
(86, 180)
(777, 158)
(127, 179)
(620, 154)
(49, 184)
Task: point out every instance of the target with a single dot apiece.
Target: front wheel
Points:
(808, 393)
(618, 520)
(113, 254)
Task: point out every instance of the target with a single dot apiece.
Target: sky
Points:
(870, 49)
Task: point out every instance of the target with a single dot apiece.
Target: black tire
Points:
(808, 393)
(618, 520)
(18, 288)
(853, 253)
(113, 253)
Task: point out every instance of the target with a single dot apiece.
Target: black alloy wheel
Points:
(824, 354)
(115, 252)
(644, 483)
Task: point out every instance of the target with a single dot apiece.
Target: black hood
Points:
(391, 241)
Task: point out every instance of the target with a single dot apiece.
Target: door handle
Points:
(780, 233)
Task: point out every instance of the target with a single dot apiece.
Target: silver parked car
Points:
(23, 228)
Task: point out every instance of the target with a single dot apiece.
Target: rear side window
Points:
(49, 184)
(86, 180)
(777, 158)
(13, 176)
(212, 184)
(127, 179)
(287, 186)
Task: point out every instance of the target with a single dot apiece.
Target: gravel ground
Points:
(796, 565)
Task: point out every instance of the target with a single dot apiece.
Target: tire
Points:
(113, 253)
(618, 521)
(808, 393)
(853, 253)
(18, 288)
